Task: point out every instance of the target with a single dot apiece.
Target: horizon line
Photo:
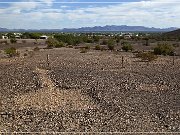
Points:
(150, 27)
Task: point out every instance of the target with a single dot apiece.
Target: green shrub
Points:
(25, 54)
(127, 47)
(59, 45)
(11, 52)
(163, 49)
(51, 42)
(36, 49)
(97, 47)
(13, 40)
(83, 50)
(111, 44)
(146, 56)
(96, 39)
(69, 46)
(89, 40)
(87, 47)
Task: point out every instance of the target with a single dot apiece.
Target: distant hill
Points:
(114, 28)
(172, 34)
(3, 30)
(107, 28)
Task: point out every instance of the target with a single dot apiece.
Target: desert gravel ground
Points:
(89, 92)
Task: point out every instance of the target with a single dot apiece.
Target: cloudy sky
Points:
(57, 14)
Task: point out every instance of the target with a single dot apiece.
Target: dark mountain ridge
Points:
(107, 28)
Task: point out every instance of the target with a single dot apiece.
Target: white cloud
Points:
(154, 13)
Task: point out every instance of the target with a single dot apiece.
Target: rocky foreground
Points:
(89, 92)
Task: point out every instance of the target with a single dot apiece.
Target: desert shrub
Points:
(127, 47)
(25, 54)
(103, 48)
(36, 49)
(104, 42)
(146, 56)
(35, 35)
(59, 45)
(111, 44)
(97, 47)
(176, 45)
(13, 40)
(87, 47)
(11, 52)
(69, 46)
(146, 41)
(89, 40)
(83, 50)
(51, 42)
(96, 39)
(164, 49)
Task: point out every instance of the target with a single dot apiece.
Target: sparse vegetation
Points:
(83, 50)
(51, 42)
(59, 45)
(127, 47)
(13, 40)
(36, 49)
(111, 44)
(97, 47)
(164, 49)
(11, 52)
(147, 56)
(104, 42)
(77, 91)
(87, 47)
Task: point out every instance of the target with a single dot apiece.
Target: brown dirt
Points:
(51, 98)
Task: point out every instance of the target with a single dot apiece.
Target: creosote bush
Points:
(51, 42)
(127, 47)
(147, 56)
(13, 40)
(83, 50)
(11, 52)
(36, 49)
(59, 45)
(87, 47)
(111, 44)
(97, 47)
(164, 49)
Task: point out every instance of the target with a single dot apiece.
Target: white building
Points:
(43, 37)
(4, 37)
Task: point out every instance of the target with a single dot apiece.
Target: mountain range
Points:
(107, 28)
(172, 34)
